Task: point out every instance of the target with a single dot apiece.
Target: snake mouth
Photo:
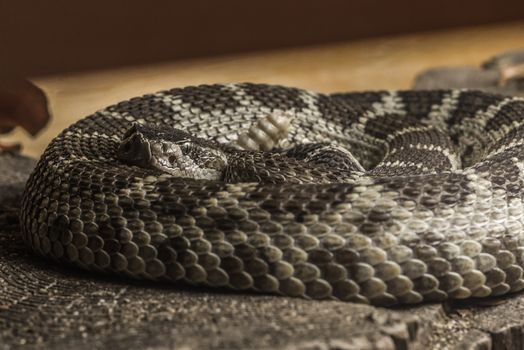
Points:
(135, 150)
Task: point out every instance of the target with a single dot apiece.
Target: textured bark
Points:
(45, 305)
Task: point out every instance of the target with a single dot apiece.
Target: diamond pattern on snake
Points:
(383, 197)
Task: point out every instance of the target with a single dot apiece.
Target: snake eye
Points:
(215, 163)
(185, 147)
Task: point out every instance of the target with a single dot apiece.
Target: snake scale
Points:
(381, 197)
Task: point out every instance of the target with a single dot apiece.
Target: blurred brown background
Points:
(85, 55)
(43, 37)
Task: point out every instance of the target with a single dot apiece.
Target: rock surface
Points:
(14, 171)
(45, 305)
(501, 74)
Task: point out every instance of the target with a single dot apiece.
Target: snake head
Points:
(172, 151)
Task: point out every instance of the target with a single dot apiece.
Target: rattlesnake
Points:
(382, 197)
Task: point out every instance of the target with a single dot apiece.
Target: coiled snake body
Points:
(429, 208)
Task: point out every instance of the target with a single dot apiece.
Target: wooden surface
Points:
(385, 63)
